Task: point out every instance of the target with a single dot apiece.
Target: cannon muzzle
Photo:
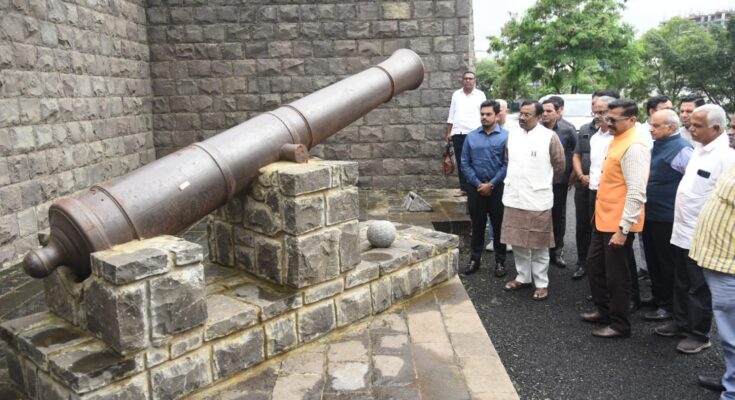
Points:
(171, 193)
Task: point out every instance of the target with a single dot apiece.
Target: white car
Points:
(577, 108)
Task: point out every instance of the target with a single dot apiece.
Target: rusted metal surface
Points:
(169, 194)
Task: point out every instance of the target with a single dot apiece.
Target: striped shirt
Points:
(713, 246)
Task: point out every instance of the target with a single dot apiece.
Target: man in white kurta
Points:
(535, 158)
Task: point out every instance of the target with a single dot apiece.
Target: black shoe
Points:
(579, 273)
(472, 268)
(588, 297)
(500, 270)
(658, 315)
(557, 257)
(608, 333)
(634, 306)
(711, 383)
(643, 275)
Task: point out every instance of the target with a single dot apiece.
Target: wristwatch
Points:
(624, 231)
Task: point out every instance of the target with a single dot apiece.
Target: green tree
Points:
(673, 55)
(712, 72)
(488, 72)
(567, 46)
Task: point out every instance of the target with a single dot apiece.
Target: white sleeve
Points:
(452, 109)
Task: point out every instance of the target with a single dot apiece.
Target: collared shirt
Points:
(636, 165)
(483, 156)
(684, 132)
(706, 165)
(464, 111)
(713, 245)
(599, 142)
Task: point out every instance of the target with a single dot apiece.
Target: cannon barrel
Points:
(171, 193)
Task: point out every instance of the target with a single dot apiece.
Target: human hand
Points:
(618, 240)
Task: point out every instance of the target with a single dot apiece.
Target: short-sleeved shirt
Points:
(464, 111)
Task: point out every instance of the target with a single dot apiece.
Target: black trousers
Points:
(692, 301)
(583, 214)
(610, 280)
(559, 215)
(480, 208)
(660, 261)
(458, 143)
(635, 293)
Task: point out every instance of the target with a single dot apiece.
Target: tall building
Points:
(715, 18)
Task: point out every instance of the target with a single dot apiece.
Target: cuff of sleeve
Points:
(625, 226)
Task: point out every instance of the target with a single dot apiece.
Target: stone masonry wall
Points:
(215, 64)
(74, 105)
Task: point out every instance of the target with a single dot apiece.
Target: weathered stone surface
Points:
(440, 240)
(342, 205)
(9, 330)
(281, 335)
(184, 343)
(177, 378)
(298, 386)
(118, 315)
(64, 296)
(419, 251)
(312, 258)
(405, 283)
(353, 306)
(364, 272)
(237, 353)
(221, 244)
(177, 301)
(269, 259)
(227, 315)
(130, 389)
(186, 253)
(263, 217)
(156, 355)
(453, 265)
(49, 389)
(415, 203)
(322, 291)
(347, 377)
(388, 260)
(304, 178)
(93, 366)
(40, 343)
(303, 214)
(316, 321)
(349, 245)
(382, 294)
(381, 234)
(434, 271)
(271, 302)
(125, 267)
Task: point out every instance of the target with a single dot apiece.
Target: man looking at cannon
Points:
(484, 166)
(535, 158)
(464, 113)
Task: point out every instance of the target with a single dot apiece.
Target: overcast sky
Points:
(491, 15)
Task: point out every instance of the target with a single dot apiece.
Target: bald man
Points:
(669, 158)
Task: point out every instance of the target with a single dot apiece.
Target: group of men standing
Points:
(669, 182)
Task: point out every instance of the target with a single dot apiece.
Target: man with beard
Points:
(535, 159)
(484, 166)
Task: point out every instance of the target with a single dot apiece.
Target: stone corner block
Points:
(129, 263)
(342, 205)
(281, 335)
(177, 301)
(353, 306)
(303, 214)
(297, 179)
(118, 315)
(312, 258)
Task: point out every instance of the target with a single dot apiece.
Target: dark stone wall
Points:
(74, 105)
(215, 64)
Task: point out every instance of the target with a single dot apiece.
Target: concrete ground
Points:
(547, 351)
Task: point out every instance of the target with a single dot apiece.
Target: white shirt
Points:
(464, 111)
(645, 131)
(684, 132)
(705, 166)
(599, 142)
(528, 182)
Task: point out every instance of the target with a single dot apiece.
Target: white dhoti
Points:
(532, 266)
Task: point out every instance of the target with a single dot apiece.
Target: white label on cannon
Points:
(184, 185)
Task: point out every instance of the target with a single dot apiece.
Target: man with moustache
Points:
(551, 118)
(686, 108)
(535, 159)
(669, 158)
(464, 111)
(731, 131)
(618, 214)
(692, 302)
(484, 166)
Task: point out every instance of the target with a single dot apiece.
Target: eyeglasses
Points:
(614, 120)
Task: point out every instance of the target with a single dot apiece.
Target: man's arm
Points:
(558, 162)
(636, 165)
(467, 169)
(577, 166)
(680, 162)
(450, 118)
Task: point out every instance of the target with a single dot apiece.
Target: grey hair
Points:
(672, 119)
(503, 103)
(715, 115)
(605, 99)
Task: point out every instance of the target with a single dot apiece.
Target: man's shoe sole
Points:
(695, 350)
(670, 334)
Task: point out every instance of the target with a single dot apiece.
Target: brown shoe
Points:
(594, 317)
(608, 332)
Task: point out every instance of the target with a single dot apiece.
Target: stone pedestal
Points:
(295, 226)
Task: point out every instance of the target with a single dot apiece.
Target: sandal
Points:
(541, 294)
(460, 193)
(515, 285)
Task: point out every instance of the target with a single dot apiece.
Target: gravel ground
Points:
(550, 354)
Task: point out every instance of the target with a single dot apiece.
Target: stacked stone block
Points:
(216, 64)
(74, 106)
(295, 226)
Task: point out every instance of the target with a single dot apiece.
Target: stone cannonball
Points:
(381, 233)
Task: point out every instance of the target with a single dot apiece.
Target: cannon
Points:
(171, 193)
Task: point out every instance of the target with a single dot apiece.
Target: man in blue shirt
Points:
(484, 167)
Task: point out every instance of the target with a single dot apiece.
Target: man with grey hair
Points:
(692, 301)
(669, 158)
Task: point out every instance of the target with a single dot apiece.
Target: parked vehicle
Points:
(577, 108)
